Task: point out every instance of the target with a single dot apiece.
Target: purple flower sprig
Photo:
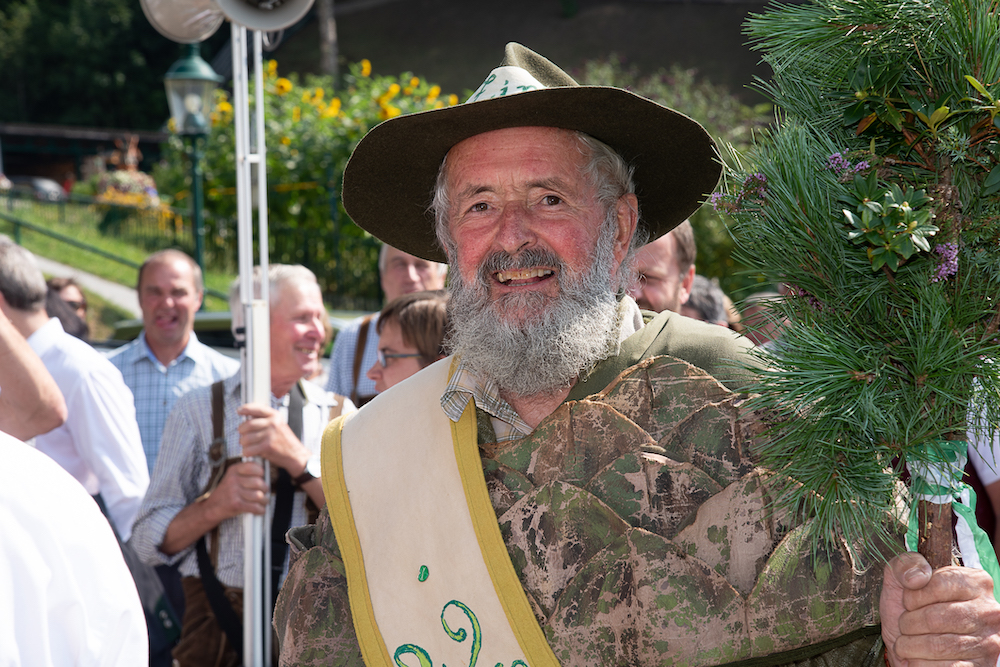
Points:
(754, 186)
(948, 264)
(721, 203)
(801, 293)
(845, 171)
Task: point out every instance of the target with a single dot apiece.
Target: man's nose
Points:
(317, 328)
(515, 231)
(375, 372)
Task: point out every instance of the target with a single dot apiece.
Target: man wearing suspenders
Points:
(192, 514)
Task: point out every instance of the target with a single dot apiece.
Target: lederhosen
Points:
(212, 634)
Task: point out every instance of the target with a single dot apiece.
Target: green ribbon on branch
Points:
(938, 478)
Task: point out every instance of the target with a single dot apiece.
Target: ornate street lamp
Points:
(189, 83)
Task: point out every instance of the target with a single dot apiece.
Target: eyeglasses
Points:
(77, 305)
(383, 358)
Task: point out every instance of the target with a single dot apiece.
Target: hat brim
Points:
(390, 177)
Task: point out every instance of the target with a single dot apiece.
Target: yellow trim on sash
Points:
(521, 618)
(510, 593)
(373, 648)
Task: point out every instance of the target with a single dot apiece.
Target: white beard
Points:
(529, 343)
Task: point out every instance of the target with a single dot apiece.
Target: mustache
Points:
(502, 260)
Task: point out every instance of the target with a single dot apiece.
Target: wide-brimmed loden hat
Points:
(389, 180)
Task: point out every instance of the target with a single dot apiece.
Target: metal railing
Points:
(345, 264)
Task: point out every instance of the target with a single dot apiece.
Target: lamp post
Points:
(189, 83)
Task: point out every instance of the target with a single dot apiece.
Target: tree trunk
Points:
(934, 537)
(327, 37)
(934, 533)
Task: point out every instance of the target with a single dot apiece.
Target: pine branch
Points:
(885, 337)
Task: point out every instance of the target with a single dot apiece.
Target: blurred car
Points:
(42, 189)
(213, 329)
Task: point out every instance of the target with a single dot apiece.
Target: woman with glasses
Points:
(411, 331)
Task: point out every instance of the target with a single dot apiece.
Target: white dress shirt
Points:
(66, 595)
(99, 444)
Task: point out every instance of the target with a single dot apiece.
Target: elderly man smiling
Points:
(516, 525)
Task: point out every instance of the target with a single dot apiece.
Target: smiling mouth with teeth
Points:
(522, 275)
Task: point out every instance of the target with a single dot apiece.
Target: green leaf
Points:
(904, 247)
(893, 117)
(859, 77)
(877, 258)
(921, 242)
(992, 183)
(978, 86)
(939, 116)
(892, 260)
(871, 206)
(854, 113)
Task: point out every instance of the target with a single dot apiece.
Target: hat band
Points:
(504, 81)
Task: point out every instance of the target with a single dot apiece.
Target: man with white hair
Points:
(571, 487)
(202, 485)
(356, 347)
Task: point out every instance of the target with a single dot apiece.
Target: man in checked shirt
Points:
(186, 502)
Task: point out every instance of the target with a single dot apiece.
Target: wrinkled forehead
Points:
(531, 152)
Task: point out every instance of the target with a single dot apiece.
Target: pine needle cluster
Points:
(876, 203)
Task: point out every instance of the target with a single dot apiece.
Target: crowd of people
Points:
(468, 463)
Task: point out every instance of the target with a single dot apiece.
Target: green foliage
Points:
(310, 131)
(730, 122)
(893, 228)
(876, 203)
(100, 58)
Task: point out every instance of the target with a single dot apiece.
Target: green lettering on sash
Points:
(459, 635)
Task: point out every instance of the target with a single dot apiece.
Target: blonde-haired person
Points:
(411, 330)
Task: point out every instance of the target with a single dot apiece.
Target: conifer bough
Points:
(876, 202)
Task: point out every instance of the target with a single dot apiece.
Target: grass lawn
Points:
(80, 222)
(102, 316)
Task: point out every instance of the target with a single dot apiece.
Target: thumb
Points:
(910, 570)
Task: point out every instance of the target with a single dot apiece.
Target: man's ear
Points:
(686, 284)
(628, 221)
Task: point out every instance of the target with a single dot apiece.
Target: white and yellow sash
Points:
(429, 578)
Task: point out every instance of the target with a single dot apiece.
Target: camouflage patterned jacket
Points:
(636, 523)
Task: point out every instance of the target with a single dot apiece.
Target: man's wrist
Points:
(308, 472)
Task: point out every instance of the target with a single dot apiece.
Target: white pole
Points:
(256, 351)
(264, 348)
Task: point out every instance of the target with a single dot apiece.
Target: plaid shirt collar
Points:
(507, 424)
(191, 351)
